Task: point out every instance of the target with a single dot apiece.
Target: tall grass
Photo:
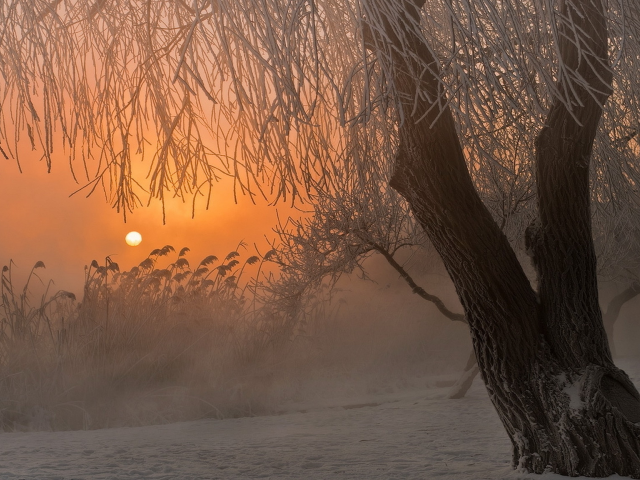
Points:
(161, 342)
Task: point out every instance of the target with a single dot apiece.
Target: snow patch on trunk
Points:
(572, 389)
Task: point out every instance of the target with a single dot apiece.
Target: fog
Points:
(135, 357)
(626, 333)
(501, 135)
(375, 363)
(45, 221)
(68, 366)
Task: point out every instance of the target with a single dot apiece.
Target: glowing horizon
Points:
(42, 223)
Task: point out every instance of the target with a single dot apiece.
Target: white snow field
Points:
(411, 434)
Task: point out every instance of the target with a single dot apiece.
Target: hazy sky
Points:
(39, 221)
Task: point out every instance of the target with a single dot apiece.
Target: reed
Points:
(163, 341)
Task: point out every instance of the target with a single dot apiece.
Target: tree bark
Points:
(545, 361)
(613, 312)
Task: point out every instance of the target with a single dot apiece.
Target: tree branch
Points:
(417, 289)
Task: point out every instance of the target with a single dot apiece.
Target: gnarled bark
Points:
(545, 360)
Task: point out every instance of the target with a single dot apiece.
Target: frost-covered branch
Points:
(156, 98)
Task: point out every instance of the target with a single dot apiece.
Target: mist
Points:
(380, 239)
(124, 355)
(368, 350)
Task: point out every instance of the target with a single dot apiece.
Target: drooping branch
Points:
(417, 289)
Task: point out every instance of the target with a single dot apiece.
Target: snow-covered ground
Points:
(416, 433)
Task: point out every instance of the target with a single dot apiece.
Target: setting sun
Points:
(133, 239)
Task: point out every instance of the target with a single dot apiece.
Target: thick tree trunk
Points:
(545, 362)
(613, 311)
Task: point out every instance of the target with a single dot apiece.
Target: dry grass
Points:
(149, 345)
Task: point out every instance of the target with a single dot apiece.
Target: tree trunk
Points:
(545, 361)
(462, 386)
(613, 311)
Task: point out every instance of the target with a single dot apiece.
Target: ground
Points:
(415, 433)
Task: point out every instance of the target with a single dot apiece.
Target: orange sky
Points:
(39, 221)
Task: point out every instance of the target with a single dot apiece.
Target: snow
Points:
(413, 433)
(572, 390)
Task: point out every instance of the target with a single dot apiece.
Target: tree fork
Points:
(566, 260)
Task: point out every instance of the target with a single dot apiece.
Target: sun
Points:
(133, 239)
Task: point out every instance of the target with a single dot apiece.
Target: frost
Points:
(573, 391)
(520, 440)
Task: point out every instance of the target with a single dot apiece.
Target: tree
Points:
(342, 232)
(544, 358)
(366, 217)
(297, 96)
